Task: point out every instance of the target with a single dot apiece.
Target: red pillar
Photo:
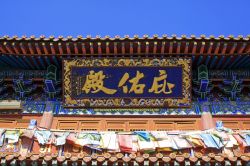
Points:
(207, 121)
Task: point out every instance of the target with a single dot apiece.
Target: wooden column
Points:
(207, 121)
(46, 121)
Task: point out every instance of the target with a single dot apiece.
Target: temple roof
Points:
(216, 52)
(100, 45)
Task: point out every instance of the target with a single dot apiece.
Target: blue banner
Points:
(127, 83)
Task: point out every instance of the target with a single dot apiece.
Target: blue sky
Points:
(121, 17)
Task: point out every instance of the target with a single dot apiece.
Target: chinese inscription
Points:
(127, 83)
(95, 83)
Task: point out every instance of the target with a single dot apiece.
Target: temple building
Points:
(150, 100)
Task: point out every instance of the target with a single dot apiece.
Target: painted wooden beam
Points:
(138, 47)
(163, 46)
(38, 50)
(147, 48)
(8, 48)
(186, 48)
(155, 47)
(178, 51)
(131, 47)
(107, 47)
(99, 45)
(224, 49)
(76, 48)
(14, 46)
(217, 48)
(68, 48)
(170, 51)
(240, 51)
(194, 48)
(32, 52)
(202, 47)
(2, 49)
(83, 48)
(115, 48)
(52, 48)
(60, 48)
(210, 48)
(45, 48)
(123, 48)
(22, 46)
(91, 47)
(233, 48)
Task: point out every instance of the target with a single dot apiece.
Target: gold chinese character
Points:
(136, 88)
(94, 83)
(161, 87)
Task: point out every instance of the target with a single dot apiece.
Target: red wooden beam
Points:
(147, 48)
(123, 48)
(131, 49)
(2, 49)
(233, 48)
(99, 47)
(60, 48)
(115, 47)
(178, 47)
(194, 48)
(186, 48)
(202, 47)
(31, 49)
(224, 48)
(171, 48)
(83, 49)
(45, 48)
(242, 48)
(107, 48)
(15, 48)
(155, 48)
(38, 50)
(23, 48)
(210, 47)
(217, 48)
(91, 48)
(163, 45)
(52, 48)
(76, 48)
(68, 48)
(138, 47)
(8, 47)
